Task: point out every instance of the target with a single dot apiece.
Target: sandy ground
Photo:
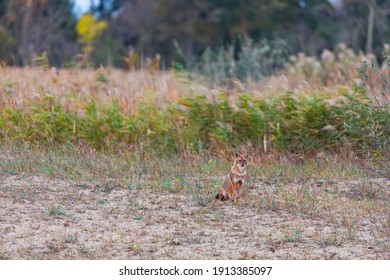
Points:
(46, 218)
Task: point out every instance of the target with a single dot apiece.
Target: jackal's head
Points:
(240, 161)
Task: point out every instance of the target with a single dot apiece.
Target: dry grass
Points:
(70, 86)
(21, 86)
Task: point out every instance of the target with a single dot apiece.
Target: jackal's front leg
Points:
(234, 193)
(240, 189)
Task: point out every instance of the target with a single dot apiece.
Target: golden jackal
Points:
(233, 186)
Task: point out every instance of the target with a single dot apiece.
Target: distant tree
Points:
(28, 28)
(379, 11)
(88, 29)
(152, 26)
(367, 24)
(306, 24)
(38, 26)
(7, 41)
(7, 44)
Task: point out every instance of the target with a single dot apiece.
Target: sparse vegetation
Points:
(56, 210)
(328, 205)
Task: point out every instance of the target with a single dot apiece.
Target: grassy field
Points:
(77, 203)
(108, 164)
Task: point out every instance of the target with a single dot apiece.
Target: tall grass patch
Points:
(290, 122)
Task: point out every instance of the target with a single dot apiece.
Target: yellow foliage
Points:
(88, 28)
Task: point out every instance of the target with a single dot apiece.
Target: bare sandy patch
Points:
(48, 218)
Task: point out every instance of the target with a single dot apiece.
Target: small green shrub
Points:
(57, 210)
(245, 60)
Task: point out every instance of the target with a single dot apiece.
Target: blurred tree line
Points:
(137, 29)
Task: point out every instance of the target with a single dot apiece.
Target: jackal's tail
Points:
(221, 195)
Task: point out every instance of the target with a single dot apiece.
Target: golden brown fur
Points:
(233, 187)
